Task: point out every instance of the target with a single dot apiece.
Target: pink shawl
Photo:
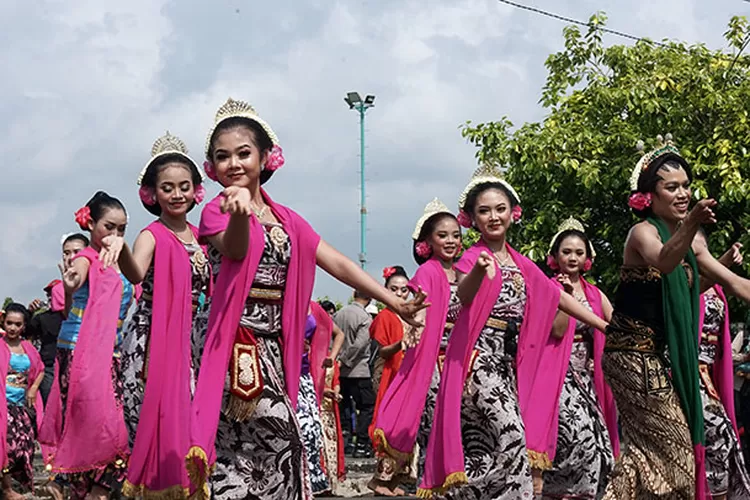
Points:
(162, 440)
(320, 346)
(4, 361)
(37, 367)
(601, 387)
(231, 289)
(541, 367)
(723, 371)
(94, 433)
(401, 408)
(57, 304)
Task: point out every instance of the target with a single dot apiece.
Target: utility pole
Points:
(355, 102)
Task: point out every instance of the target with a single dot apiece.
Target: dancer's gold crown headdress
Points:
(570, 224)
(239, 109)
(432, 208)
(487, 172)
(663, 147)
(168, 144)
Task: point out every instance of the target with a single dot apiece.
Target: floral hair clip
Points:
(516, 213)
(464, 219)
(83, 217)
(639, 201)
(388, 272)
(423, 249)
(147, 195)
(275, 159)
(208, 167)
(199, 194)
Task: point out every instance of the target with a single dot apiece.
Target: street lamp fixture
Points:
(354, 100)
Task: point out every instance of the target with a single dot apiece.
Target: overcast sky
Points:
(88, 85)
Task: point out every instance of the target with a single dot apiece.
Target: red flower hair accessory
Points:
(463, 219)
(147, 195)
(552, 263)
(423, 249)
(210, 170)
(587, 265)
(388, 272)
(516, 213)
(199, 193)
(275, 159)
(83, 218)
(639, 201)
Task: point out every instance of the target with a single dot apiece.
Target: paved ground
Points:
(359, 472)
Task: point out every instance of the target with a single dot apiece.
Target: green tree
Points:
(599, 102)
(8, 300)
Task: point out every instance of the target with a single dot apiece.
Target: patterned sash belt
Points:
(150, 298)
(266, 294)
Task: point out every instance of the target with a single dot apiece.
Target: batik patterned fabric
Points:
(725, 464)
(138, 328)
(262, 457)
(492, 430)
(657, 459)
(584, 459)
(21, 423)
(311, 427)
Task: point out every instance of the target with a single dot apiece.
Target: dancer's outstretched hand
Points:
(110, 252)
(408, 310)
(702, 212)
(236, 201)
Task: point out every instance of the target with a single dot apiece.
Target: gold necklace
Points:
(197, 259)
(503, 262)
(259, 213)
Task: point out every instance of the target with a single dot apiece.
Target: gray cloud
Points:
(88, 86)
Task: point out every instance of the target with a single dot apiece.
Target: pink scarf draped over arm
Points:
(94, 434)
(157, 462)
(541, 368)
(400, 411)
(601, 387)
(57, 304)
(723, 369)
(229, 295)
(320, 345)
(37, 368)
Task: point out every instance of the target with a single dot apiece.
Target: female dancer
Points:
(656, 311)
(387, 330)
(587, 428)
(410, 398)
(22, 382)
(90, 450)
(267, 256)
(725, 464)
(174, 271)
(502, 333)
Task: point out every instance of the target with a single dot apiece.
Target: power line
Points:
(583, 23)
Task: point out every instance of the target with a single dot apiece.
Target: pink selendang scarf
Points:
(37, 367)
(57, 304)
(94, 434)
(229, 296)
(320, 345)
(163, 438)
(4, 362)
(401, 409)
(601, 387)
(541, 369)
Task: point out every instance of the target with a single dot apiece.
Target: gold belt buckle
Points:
(497, 323)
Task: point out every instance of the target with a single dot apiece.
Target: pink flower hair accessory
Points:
(516, 213)
(199, 193)
(147, 195)
(587, 265)
(552, 263)
(388, 272)
(83, 217)
(423, 249)
(639, 201)
(208, 167)
(275, 159)
(463, 219)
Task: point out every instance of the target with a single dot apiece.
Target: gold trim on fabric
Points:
(265, 294)
(141, 491)
(199, 480)
(710, 338)
(246, 383)
(628, 334)
(539, 460)
(496, 323)
(629, 274)
(454, 479)
(384, 447)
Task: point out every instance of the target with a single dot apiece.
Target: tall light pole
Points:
(354, 101)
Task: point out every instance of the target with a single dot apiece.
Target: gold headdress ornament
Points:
(570, 224)
(662, 148)
(488, 172)
(434, 207)
(239, 109)
(168, 144)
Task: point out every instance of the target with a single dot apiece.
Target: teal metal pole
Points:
(362, 204)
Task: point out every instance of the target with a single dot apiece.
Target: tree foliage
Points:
(599, 102)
